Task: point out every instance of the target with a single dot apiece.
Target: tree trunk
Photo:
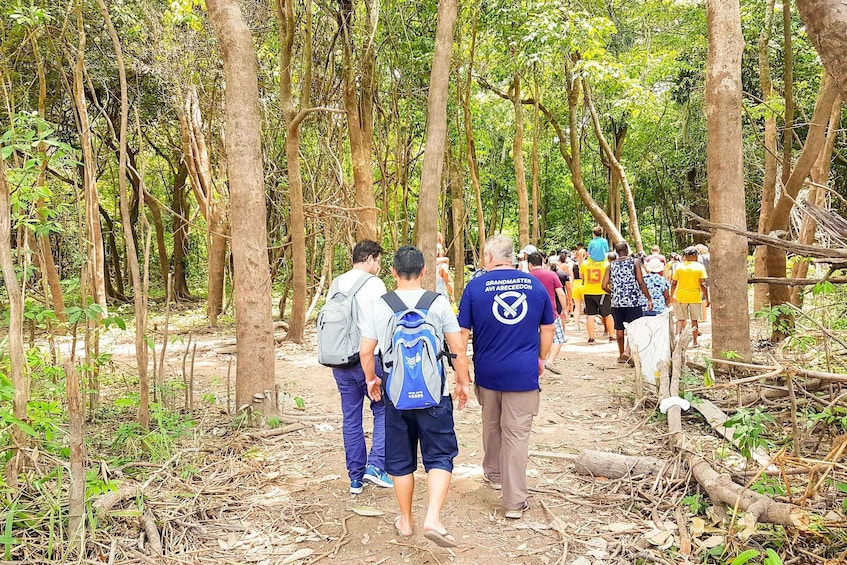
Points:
(520, 167)
(17, 359)
(776, 259)
(254, 381)
(179, 226)
(360, 111)
(536, 221)
(617, 171)
(94, 236)
(76, 433)
(212, 205)
(725, 166)
(287, 26)
(817, 196)
(826, 24)
(788, 92)
(436, 136)
(457, 194)
(769, 180)
(473, 164)
(116, 293)
(139, 296)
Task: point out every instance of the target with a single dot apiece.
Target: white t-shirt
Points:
(440, 314)
(367, 296)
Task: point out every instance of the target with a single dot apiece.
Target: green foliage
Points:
(744, 557)
(830, 415)
(749, 429)
(770, 486)
(694, 502)
(779, 316)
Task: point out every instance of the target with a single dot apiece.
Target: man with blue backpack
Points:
(512, 319)
(411, 327)
(350, 301)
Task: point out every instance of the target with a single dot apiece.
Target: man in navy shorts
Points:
(431, 428)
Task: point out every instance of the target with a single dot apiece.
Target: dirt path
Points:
(267, 500)
(587, 407)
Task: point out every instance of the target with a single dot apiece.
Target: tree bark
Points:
(457, 194)
(179, 226)
(770, 161)
(826, 24)
(470, 155)
(94, 235)
(293, 118)
(17, 359)
(617, 169)
(139, 297)
(535, 234)
(212, 205)
(776, 259)
(725, 166)
(76, 433)
(254, 381)
(817, 196)
(360, 111)
(436, 137)
(788, 92)
(520, 167)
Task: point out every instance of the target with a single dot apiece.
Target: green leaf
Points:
(744, 557)
(771, 558)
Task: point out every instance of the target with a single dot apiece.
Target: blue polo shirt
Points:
(504, 308)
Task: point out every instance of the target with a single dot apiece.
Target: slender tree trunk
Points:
(76, 433)
(776, 259)
(254, 381)
(17, 359)
(536, 223)
(817, 196)
(212, 205)
(617, 170)
(520, 167)
(179, 227)
(360, 111)
(769, 180)
(118, 292)
(457, 196)
(470, 153)
(724, 161)
(94, 235)
(788, 92)
(293, 118)
(436, 137)
(139, 297)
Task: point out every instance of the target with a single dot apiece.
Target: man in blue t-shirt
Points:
(511, 317)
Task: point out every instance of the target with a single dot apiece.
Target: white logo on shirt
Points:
(509, 307)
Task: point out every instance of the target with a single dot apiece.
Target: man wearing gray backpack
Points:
(430, 427)
(366, 289)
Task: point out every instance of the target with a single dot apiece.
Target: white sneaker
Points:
(517, 514)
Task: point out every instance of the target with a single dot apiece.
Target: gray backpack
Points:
(338, 332)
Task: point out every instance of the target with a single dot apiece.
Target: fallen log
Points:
(716, 418)
(758, 507)
(615, 465)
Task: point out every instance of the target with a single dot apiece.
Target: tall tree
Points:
(139, 298)
(436, 137)
(17, 359)
(518, 160)
(254, 381)
(360, 108)
(725, 166)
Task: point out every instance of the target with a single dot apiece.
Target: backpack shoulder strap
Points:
(394, 302)
(360, 283)
(426, 300)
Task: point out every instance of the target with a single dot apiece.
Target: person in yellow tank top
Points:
(687, 289)
(597, 301)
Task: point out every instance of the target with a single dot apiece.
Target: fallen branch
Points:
(154, 541)
(615, 465)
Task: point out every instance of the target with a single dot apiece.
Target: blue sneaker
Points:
(356, 487)
(377, 476)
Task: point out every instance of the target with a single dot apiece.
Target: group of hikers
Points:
(513, 311)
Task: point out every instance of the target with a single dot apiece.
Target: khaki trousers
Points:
(506, 424)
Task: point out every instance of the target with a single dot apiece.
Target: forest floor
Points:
(230, 495)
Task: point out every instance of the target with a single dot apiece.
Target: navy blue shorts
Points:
(432, 428)
(626, 314)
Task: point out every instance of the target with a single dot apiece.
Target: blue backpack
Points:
(416, 372)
